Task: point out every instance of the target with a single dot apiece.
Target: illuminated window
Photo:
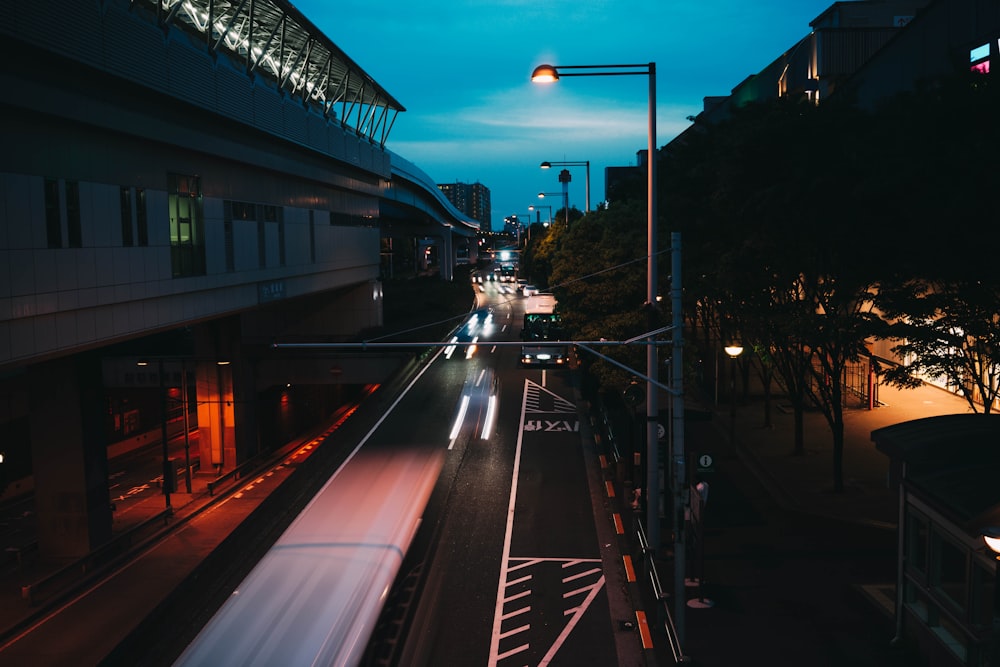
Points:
(187, 234)
(979, 59)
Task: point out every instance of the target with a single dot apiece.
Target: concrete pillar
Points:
(69, 456)
(216, 420)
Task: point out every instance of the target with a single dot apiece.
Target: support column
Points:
(216, 420)
(69, 457)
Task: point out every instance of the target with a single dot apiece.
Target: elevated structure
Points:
(182, 183)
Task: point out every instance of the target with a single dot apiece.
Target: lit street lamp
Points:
(734, 350)
(543, 195)
(547, 165)
(551, 73)
(533, 207)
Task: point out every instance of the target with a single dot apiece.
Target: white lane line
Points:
(578, 614)
(505, 560)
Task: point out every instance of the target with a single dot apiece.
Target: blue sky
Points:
(461, 68)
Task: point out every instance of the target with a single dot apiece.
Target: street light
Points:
(543, 195)
(547, 165)
(734, 350)
(517, 217)
(169, 473)
(533, 207)
(551, 73)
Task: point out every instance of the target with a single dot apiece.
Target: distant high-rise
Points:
(472, 199)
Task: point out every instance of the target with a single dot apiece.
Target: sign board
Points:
(705, 463)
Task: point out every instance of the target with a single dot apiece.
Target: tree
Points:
(599, 279)
(949, 331)
(781, 181)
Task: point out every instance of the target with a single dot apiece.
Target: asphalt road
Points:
(507, 564)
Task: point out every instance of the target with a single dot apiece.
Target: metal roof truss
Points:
(274, 38)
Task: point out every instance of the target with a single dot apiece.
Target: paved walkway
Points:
(767, 597)
(805, 482)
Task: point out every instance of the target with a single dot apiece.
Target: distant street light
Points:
(533, 207)
(547, 165)
(543, 195)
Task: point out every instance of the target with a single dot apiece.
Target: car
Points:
(529, 290)
(462, 344)
(521, 282)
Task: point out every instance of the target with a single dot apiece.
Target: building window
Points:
(274, 214)
(227, 236)
(261, 242)
(979, 59)
(916, 543)
(187, 234)
(984, 583)
(141, 219)
(949, 572)
(74, 231)
(53, 218)
(125, 199)
(312, 236)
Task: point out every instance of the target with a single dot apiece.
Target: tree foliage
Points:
(948, 332)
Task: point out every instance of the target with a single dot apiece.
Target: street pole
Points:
(167, 481)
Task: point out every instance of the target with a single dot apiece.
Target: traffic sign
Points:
(705, 462)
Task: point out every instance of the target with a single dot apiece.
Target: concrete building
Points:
(173, 200)
(472, 199)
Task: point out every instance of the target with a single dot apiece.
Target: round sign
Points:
(705, 461)
(660, 431)
(634, 394)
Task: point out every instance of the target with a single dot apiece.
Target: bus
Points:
(542, 325)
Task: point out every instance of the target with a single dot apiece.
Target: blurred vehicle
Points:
(316, 595)
(529, 290)
(464, 340)
(521, 282)
(477, 408)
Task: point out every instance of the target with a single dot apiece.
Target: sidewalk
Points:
(805, 483)
(774, 596)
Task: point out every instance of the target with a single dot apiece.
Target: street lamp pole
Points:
(585, 163)
(551, 73)
(534, 206)
(168, 478)
(543, 195)
(734, 350)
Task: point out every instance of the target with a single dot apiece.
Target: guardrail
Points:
(660, 595)
(95, 561)
(234, 474)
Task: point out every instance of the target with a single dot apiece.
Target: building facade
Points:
(472, 199)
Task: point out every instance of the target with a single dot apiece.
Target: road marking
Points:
(508, 532)
(629, 569)
(619, 527)
(647, 637)
(610, 488)
(519, 599)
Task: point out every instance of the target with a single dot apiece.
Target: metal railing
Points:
(79, 571)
